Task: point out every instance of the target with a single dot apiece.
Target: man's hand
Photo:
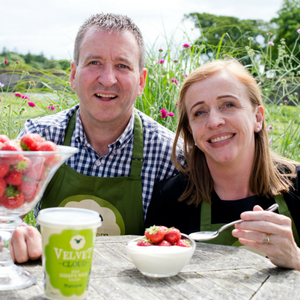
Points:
(270, 233)
(26, 243)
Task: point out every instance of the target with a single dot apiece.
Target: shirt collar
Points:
(123, 139)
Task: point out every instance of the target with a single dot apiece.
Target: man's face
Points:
(107, 79)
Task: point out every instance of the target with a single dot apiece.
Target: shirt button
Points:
(98, 163)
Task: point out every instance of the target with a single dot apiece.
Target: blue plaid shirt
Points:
(158, 141)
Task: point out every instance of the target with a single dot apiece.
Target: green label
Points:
(68, 260)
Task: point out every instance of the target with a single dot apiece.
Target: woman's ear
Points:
(259, 116)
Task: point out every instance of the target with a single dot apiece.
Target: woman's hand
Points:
(270, 233)
(26, 243)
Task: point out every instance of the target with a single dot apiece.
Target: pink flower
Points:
(174, 80)
(285, 101)
(270, 128)
(271, 43)
(298, 30)
(16, 62)
(170, 114)
(186, 46)
(31, 104)
(175, 61)
(161, 61)
(176, 104)
(1, 85)
(5, 61)
(184, 75)
(51, 107)
(164, 113)
(270, 141)
(18, 95)
(0, 99)
(160, 50)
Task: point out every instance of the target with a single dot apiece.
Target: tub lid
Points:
(66, 217)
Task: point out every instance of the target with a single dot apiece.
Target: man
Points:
(122, 152)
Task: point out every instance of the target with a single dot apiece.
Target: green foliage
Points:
(288, 22)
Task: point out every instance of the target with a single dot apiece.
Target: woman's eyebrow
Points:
(226, 96)
(197, 103)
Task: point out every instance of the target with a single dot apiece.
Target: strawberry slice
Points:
(12, 198)
(155, 234)
(173, 235)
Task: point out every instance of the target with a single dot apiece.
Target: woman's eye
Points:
(199, 113)
(229, 105)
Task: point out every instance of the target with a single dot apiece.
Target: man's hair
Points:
(110, 23)
(270, 173)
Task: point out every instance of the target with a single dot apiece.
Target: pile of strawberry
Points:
(163, 236)
(20, 175)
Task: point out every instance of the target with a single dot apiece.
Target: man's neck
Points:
(100, 135)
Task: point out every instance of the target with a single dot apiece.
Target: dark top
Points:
(165, 209)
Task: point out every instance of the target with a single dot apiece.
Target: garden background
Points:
(32, 85)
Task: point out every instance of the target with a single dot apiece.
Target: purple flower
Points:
(174, 80)
(164, 113)
(51, 107)
(170, 114)
(184, 75)
(186, 46)
(160, 50)
(18, 95)
(0, 99)
(16, 62)
(2, 84)
(270, 141)
(5, 61)
(271, 43)
(31, 104)
(176, 104)
(298, 30)
(270, 128)
(161, 61)
(175, 61)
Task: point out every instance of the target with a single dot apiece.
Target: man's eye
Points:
(123, 66)
(94, 62)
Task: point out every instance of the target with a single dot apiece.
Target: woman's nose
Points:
(215, 119)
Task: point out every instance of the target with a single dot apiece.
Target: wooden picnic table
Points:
(214, 272)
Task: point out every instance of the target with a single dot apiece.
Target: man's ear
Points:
(142, 82)
(260, 112)
(72, 75)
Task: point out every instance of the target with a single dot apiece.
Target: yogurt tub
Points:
(68, 236)
(156, 261)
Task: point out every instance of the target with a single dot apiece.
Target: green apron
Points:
(118, 200)
(225, 237)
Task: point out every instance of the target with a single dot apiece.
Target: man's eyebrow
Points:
(120, 59)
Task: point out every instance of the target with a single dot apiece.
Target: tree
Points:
(232, 32)
(287, 22)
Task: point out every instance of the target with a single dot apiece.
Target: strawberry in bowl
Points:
(162, 252)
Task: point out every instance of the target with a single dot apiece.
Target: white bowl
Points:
(155, 261)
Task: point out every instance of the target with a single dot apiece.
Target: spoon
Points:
(209, 235)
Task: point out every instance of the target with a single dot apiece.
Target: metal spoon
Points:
(209, 235)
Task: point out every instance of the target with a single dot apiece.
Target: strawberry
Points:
(12, 198)
(30, 141)
(22, 165)
(183, 243)
(3, 138)
(144, 243)
(10, 159)
(155, 234)
(13, 178)
(50, 160)
(3, 170)
(2, 187)
(29, 188)
(36, 170)
(173, 235)
(164, 243)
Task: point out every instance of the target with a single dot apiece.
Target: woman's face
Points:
(222, 119)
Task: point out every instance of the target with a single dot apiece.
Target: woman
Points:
(230, 172)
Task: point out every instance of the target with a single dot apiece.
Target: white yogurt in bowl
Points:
(156, 261)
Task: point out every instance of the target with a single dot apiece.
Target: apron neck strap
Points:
(138, 142)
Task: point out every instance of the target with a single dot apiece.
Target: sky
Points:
(50, 26)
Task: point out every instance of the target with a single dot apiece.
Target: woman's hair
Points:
(271, 174)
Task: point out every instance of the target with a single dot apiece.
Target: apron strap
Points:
(138, 147)
(138, 142)
(205, 216)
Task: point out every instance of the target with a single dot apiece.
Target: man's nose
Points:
(215, 119)
(107, 76)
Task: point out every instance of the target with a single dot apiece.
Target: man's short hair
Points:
(111, 23)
